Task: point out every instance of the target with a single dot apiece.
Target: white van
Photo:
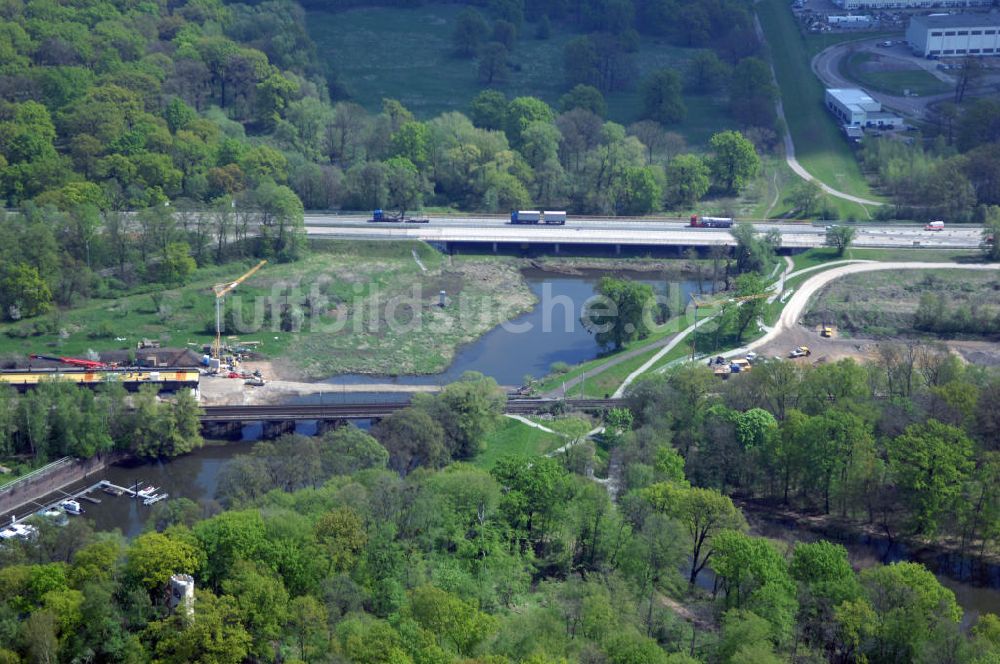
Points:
(934, 226)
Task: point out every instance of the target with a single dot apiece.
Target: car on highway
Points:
(934, 226)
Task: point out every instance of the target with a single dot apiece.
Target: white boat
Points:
(71, 507)
(147, 492)
(18, 531)
(55, 515)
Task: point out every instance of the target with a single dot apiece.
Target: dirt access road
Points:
(788, 322)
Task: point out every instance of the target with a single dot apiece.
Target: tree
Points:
(705, 72)
(177, 263)
(505, 32)
(535, 490)
(753, 252)
(493, 63)
(404, 185)
(488, 110)
(262, 603)
(153, 557)
(930, 462)
(752, 93)
(342, 533)
(622, 314)
(638, 191)
(661, 97)
(909, 607)
(840, 237)
(412, 438)
(307, 620)
(805, 197)
(214, 635)
(521, 113)
(734, 160)
(282, 221)
(687, 180)
(346, 450)
(470, 30)
(702, 512)
(741, 313)
(454, 622)
(23, 292)
(586, 97)
(991, 233)
(467, 410)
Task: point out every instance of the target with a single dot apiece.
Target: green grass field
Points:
(346, 288)
(858, 67)
(516, 438)
(819, 146)
(406, 54)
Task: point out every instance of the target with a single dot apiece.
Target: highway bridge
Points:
(495, 232)
(361, 411)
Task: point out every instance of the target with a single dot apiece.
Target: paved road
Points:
(797, 302)
(826, 65)
(612, 232)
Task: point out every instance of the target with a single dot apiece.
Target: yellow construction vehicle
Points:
(220, 291)
(826, 331)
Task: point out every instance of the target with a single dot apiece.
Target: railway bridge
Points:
(228, 421)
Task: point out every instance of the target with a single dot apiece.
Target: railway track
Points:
(287, 412)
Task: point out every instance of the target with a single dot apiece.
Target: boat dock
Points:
(149, 495)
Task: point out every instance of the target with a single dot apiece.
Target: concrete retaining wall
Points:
(16, 499)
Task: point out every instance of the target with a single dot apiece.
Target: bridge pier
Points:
(222, 430)
(618, 250)
(324, 426)
(494, 247)
(557, 247)
(276, 428)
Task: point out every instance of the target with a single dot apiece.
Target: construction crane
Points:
(220, 291)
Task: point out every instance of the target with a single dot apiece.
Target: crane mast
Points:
(221, 290)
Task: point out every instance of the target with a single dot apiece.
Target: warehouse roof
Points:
(855, 99)
(958, 21)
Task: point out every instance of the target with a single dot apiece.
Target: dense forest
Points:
(391, 547)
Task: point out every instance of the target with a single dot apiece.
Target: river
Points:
(552, 332)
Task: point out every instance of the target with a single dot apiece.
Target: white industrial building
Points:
(856, 108)
(909, 4)
(954, 35)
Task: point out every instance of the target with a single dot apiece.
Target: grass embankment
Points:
(516, 438)
(822, 255)
(883, 303)
(407, 54)
(819, 146)
(890, 75)
(349, 294)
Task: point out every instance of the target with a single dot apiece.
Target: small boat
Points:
(71, 507)
(112, 490)
(147, 492)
